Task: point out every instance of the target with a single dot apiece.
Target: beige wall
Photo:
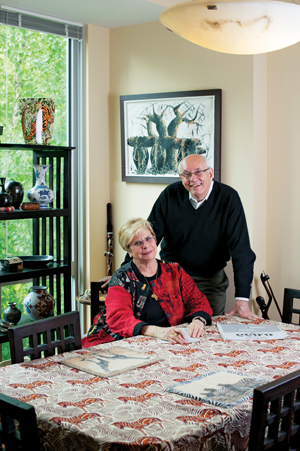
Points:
(283, 207)
(146, 59)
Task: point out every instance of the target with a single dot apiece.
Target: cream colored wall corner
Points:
(283, 206)
(147, 58)
(97, 178)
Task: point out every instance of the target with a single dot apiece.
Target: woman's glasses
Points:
(146, 240)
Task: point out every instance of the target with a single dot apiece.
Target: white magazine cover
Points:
(251, 332)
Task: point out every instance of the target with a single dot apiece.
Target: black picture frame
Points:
(158, 130)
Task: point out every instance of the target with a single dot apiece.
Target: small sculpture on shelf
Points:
(12, 264)
(29, 206)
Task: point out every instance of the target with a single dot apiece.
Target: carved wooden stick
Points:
(109, 229)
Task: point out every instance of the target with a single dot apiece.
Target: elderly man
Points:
(202, 224)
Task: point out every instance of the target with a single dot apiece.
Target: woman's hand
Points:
(196, 329)
(172, 334)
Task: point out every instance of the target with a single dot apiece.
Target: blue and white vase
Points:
(40, 193)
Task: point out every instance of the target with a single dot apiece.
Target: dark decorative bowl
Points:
(36, 261)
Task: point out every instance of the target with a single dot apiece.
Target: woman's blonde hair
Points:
(130, 228)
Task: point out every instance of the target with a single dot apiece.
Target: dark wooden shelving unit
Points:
(51, 227)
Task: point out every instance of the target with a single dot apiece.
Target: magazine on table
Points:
(220, 388)
(240, 331)
(110, 362)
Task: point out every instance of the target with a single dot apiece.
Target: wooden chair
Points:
(58, 333)
(26, 438)
(97, 298)
(288, 305)
(275, 423)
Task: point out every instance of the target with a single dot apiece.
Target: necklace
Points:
(153, 295)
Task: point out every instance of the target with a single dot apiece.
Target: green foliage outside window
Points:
(32, 64)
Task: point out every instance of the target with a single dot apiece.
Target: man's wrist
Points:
(242, 299)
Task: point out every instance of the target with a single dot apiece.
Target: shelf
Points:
(31, 273)
(41, 213)
(34, 147)
(49, 237)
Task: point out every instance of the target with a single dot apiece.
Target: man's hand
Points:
(105, 281)
(242, 309)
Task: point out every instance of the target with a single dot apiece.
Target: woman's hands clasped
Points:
(174, 334)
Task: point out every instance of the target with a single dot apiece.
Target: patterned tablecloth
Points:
(132, 411)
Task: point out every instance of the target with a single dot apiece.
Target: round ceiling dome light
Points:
(244, 27)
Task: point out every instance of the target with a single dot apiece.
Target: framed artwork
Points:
(159, 130)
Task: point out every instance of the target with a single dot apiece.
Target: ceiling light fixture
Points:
(244, 27)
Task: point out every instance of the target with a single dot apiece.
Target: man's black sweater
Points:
(202, 241)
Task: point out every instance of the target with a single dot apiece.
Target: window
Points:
(38, 58)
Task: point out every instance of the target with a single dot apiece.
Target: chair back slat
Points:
(46, 337)
(96, 292)
(290, 295)
(27, 437)
(275, 423)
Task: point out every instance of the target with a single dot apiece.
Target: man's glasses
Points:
(147, 240)
(197, 173)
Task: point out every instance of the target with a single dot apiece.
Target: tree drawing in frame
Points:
(159, 130)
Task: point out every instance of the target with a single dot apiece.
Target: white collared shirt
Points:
(197, 204)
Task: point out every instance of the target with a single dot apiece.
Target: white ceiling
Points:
(105, 13)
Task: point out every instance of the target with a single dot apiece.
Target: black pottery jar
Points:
(16, 190)
(12, 314)
(5, 199)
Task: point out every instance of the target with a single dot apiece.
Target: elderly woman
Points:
(149, 297)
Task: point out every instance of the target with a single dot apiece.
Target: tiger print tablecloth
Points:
(132, 411)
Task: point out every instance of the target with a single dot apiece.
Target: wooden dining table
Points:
(132, 410)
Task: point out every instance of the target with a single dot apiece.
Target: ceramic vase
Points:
(40, 193)
(5, 198)
(39, 304)
(12, 314)
(15, 189)
(37, 117)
